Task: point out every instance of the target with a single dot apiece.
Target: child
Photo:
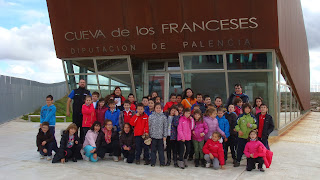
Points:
(245, 123)
(200, 103)
(158, 128)
(218, 104)
(200, 130)
(213, 151)
(195, 107)
(231, 116)
(173, 98)
(95, 97)
(127, 143)
(101, 110)
(150, 107)
(256, 106)
(89, 115)
(113, 114)
(158, 100)
(207, 100)
(145, 101)
(180, 109)
(188, 98)
(172, 145)
(186, 125)
(264, 125)
(154, 94)
(251, 151)
(238, 106)
(90, 142)
(225, 127)
(211, 106)
(109, 142)
(107, 99)
(133, 105)
(45, 141)
(212, 122)
(141, 127)
(69, 146)
(126, 114)
(179, 98)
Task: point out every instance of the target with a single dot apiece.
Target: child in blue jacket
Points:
(113, 114)
(225, 127)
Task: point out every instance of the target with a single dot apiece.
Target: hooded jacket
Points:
(128, 140)
(48, 137)
(100, 112)
(185, 127)
(158, 125)
(215, 148)
(242, 122)
(268, 125)
(89, 115)
(48, 114)
(140, 124)
(199, 127)
(213, 126)
(252, 147)
(114, 117)
(232, 119)
(224, 125)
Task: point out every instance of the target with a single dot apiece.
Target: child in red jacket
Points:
(214, 152)
(251, 151)
(126, 115)
(141, 127)
(101, 110)
(89, 115)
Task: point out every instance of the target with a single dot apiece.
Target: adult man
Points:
(78, 97)
(237, 93)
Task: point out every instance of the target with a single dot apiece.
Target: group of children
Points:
(192, 127)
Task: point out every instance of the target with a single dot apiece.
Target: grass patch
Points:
(61, 106)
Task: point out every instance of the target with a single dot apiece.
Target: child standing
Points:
(173, 98)
(172, 144)
(180, 109)
(179, 98)
(141, 127)
(113, 114)
(89, 115)
(101, 110)
(126, 114)
(45, 141)
(200, 130)
(133, 105)
(238, 106)
(207, 100)
(150, 108)
(245, 123)
(200, 103)
(256, 106)
(186, 125)
(127, 143)
(218, 104)
(158, 128)
(69, 146)
(145, 101)
(231, 116)
(264, 125)
(251, 151)
(90, 143)
(212, 122)
(225, 127)
(95, 97)
(213, 151)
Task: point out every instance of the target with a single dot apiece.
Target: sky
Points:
(27, 49)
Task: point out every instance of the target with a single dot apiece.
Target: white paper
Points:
(119, 101)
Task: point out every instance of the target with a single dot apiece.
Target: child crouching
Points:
(251, 151)
(127, 143)
(214, 152)
(45, 141)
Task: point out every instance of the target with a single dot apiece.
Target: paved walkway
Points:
(296, 156)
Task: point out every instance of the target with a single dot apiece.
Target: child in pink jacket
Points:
(186, 124)
(251, 150)
(200, 130)
(89, 115)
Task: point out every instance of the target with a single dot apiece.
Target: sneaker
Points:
(115, 159)
(234, 161)
(237, 164)
(41, 156)
(261, 169)
(137, 162)
(125, 160)
(208, 165)
(49, 158)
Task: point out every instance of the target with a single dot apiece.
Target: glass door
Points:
(175, 84)
(157, 83)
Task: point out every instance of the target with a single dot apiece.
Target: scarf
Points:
(107, 135)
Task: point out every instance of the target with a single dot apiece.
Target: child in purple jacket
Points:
(198, 133)
(212, 122)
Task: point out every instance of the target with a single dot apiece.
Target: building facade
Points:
(167, 46)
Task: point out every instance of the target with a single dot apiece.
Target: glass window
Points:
(213, 84)
(79, 66)
(203, 62)
(250, 61)
(105, 90)
(288, 104)
(175, 84)
(112, 65)
(138, 76)
(73, 80)
(156, 83)
(173, 66)
(156, 65)
(283, 107)
(122, 80)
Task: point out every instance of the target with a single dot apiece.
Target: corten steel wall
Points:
(21, 96)
(89, 17)
(294, 54)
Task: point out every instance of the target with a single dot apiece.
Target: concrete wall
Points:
(21, 96)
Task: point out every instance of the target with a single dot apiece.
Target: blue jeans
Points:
(52, 129)
(157, 145)
(139, 145)
(87, 150)
(49, 146)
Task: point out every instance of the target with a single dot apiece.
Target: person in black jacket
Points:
(127, 143)
(109, 141)
(232, 117)
(45, 141)
(69, 146)
(265, 125)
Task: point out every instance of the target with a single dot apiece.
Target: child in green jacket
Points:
(245, 123)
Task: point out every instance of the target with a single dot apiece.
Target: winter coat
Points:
(89, 115)
(202, 106)
(158, 125)
(128, 140)
(91, 138)
(266, 155)
(114, 117)
(238, 110)
(199, 127)
(140, 124)
(268, 125)
(101, 140)
(48, 114)
(133, 106)
(174, 128)
(185, 127)
(124, 117)
(242, 122)
(48, 137)
(65, 139)
(224, 125)
(168, 105)
(223, 108)
(215, 148)
(231, 98)
(232, 119)
(100, 112)
(213, 126)
(252, 148)
(187, 103)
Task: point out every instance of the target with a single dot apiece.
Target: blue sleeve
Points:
(42, 115)
(106, 115)
(71, 95)
(227, 126)
(192, 106)
(51, 114)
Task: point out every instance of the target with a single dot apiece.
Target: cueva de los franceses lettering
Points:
(167, 28)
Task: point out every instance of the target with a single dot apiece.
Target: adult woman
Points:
(188, 98)
(118, 98)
